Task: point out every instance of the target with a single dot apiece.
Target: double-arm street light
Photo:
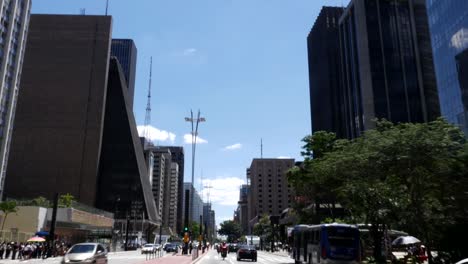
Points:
(194, 133)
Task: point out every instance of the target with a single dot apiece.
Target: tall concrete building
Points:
(126, 52)
(161, 175)
(326, 97)
(13, 34)
(209, 224)
(387, 69)
(170, 197)
(448, 22)
(74, 129)
(270, 192)
(177, 156)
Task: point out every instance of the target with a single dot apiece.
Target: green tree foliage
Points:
(66, 200)
(231, 229)
(7, 207)
(263, 229)
(407, 176)
(194, 230)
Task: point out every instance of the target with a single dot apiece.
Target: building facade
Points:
(170, 197)
(177, 156)
(270, 192)
(126, 52)
(196, 204)
(387, 67)
(75, 132)
(243, 207)
(326, 98)
(462, 68)
(161, 175)
(448, 22)
(14, 16)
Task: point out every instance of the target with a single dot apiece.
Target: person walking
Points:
(8, 250)
(14, 249)
(2, 249)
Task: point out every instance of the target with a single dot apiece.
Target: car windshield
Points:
(82, 249)
(149, 245)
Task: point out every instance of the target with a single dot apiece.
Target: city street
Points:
(212, 257)
(113, 258)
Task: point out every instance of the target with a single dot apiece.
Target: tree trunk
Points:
(4, 220)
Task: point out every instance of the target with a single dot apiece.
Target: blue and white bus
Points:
(326, 243)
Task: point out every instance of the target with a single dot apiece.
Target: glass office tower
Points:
(13, 32)
(448, 21)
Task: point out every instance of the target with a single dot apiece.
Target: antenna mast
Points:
(148, 106)
(261, 148)
(107, 6)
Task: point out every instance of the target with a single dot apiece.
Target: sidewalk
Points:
(278, 253)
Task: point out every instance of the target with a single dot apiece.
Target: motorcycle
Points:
(223, 254)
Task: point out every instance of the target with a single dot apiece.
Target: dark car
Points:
(171, 248)
(233, 247)
(247, 252)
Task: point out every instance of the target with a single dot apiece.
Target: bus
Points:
(326, 243)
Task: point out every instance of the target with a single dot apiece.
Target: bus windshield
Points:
(343, 242)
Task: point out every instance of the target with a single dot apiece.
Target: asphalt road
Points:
(213, 257)
(128, 257)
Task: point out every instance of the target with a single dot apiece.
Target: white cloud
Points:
(459, 40)
(188, 139)
(284, 157)
(233, 147)
(155, 134)
(189, 52)
(223, 191)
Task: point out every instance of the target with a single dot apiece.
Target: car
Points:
(148, 248)
(171, 248)
(463, 261)
(84, 253)
(247, 252)
(233, 247)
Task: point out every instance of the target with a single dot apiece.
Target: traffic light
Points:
(186, 229)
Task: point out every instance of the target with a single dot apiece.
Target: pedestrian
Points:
(190, 248)
(7, 251)
(20, 250)
(14, 249)
(2, 249)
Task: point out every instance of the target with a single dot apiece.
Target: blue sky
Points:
(243, 63)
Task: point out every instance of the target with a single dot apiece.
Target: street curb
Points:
(199, 258)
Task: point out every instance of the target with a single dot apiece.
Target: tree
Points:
(263, 229)
(231, 229)
(194, 230)
(66, 200)
(408, 176)
(7, 207)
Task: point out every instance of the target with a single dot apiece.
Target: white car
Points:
(148, 248)
(86, 253)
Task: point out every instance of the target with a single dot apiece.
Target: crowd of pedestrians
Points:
(24, 251)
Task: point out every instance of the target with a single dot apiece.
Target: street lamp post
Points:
(194, 133)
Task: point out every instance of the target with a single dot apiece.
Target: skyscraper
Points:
(177, 156)
(387, 68)
(13, 34)
(326, 98)
(75, 132)
(197, 203)
(126, 52)
(462, 67)
(448, 22)
(170, 197)
(270, 192)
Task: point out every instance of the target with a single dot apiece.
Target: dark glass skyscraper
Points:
(326, 98)
(387, 67)
(448, 20)
(126, 52)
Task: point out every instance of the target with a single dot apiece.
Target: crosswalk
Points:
(262, 257)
